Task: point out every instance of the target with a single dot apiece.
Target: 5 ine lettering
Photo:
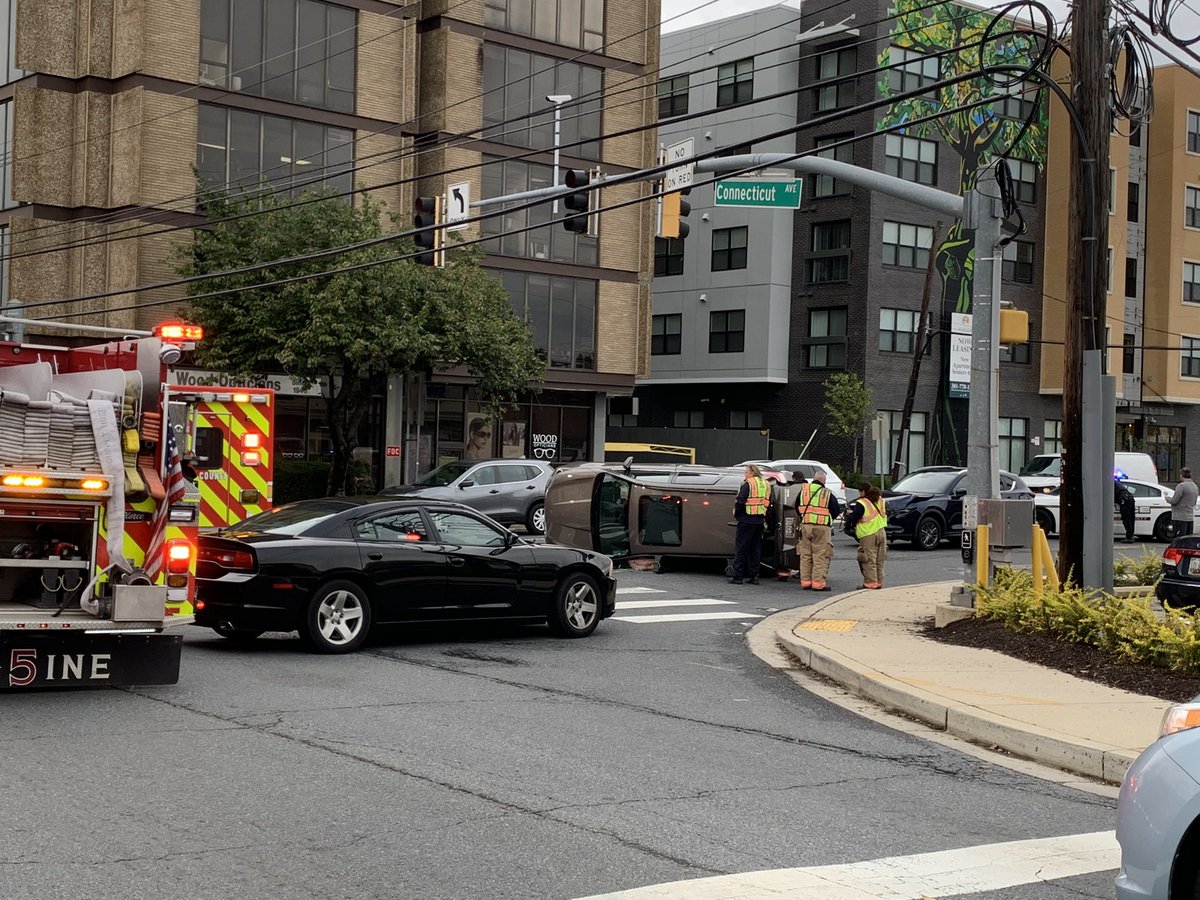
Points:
(23, 667)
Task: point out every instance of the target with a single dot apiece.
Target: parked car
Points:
(1043, 473)
(1180, 582)
(1158, 813)
(332, 568)
(1152, 511)
(511, 491)
(806, 467)
(925, 506)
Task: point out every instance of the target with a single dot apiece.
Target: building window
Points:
(1165, 444)
(735, 82)
(515, 108)
(1131, 276)
(1024, 176)
(745, 418)
(1193, 131)
(1018, 354)
(1191, 207)
(729, 248)
(1135, 134)
(830, 258)
(560, 314)
(1018, 262)
(668, 256)
(301, 51)
(1189, 357)
(549, 241)
(736, 150)
(1133, 209)
(8, 44)
(906, 245)
(622, 420)
(897, 330)
(1012, 443)
(910, 158)
(917, 71)
(6, 155)
(688, 418)
(673, 97)
(727, 331)
(827, 338)
(838, 68)
(1052, 436)
(238, 150)
(1019, 102)
(1191, 282)
(914, 453)
(827, 185)
(666, 335)
(576, 23)
(1129, 354)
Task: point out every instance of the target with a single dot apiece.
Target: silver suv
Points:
(511, 491)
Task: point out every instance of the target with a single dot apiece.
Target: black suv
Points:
(925, 506)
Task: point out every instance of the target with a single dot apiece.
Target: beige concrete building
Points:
(109, 109)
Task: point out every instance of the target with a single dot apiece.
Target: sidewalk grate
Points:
(827, 625)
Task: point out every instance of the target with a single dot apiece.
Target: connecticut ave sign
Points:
(746, 192)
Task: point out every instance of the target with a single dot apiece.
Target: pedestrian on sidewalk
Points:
(1124, 501)
(1183, 504)
(750, 510)
(816, 508)
(868, 518)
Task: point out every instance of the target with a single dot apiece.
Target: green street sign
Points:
(758, 192)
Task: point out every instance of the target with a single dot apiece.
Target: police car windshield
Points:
(444, 475)
(927, 482)
(293, 518)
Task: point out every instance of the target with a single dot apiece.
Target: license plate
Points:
(1194, 565)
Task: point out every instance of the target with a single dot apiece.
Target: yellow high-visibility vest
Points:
(873, 519)
(815, 510)
(759, 497)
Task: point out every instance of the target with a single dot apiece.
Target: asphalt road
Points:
(497, 761)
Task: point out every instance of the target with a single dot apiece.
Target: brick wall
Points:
(387, 57)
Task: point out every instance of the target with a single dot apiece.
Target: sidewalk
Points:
(870, 643)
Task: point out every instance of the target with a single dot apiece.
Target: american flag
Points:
(176, 486)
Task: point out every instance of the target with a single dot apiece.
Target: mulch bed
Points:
(1077, 659)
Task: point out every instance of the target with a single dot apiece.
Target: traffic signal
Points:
(675, 208)
(428, 237)
(578, 203)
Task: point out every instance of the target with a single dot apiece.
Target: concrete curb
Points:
(963, 721)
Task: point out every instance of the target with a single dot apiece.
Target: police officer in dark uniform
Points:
(1124, 501)
(750, 510)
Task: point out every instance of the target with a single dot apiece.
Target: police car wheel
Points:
(337, 619)
(1163, 530)
(575, 612)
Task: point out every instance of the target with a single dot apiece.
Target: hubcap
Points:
(539, 520)
(340, 617)
(581, 605)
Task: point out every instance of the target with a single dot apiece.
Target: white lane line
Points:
(686, 617)
(640, 590)
(655, 604)
(971, 870)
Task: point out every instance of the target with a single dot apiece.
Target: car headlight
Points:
(1180, 717)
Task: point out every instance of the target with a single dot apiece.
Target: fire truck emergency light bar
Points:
(178, 331)
(31, 482)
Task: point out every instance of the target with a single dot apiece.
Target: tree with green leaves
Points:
(848, 405)
(951, 35)
(347, 330)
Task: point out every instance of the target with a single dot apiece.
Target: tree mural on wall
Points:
(940, 42)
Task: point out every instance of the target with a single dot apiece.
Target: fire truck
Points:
(98, 534)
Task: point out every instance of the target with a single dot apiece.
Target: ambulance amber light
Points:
(32, 481)
(12, 481)
(94, 484)
(241, 398)
(176, 331)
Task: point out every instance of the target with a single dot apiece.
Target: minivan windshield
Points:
(927, 482)
(1050, 466)
(444, 475)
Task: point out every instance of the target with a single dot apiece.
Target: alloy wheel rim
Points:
(581, 605)
(539, 520)
(929, 534)
(340, 618)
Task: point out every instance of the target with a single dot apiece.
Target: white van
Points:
(1043, 473)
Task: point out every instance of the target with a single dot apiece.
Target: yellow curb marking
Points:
(827, 625)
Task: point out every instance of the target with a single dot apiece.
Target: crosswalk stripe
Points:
(655, 604)
(686, 617)
(944, 873)
(640, 590)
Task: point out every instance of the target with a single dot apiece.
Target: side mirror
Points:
(961, 492)
(466, 484)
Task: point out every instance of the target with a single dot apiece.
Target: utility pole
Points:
(918, 352)
(1086, 521)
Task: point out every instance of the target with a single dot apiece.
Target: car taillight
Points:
(1180, 717)
(227, 558)
(1172, 556)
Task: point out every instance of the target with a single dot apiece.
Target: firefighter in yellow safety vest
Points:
(750, 510)
(869, 518)
(816, 508)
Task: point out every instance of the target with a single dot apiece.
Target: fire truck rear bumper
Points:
(30, 660)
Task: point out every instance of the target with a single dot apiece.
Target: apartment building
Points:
(110, 108)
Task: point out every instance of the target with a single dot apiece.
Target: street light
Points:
(558, 100)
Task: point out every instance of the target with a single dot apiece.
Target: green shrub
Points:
(1129, 627)
(298, 479)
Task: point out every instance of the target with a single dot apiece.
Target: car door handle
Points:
(529, 487)
(374, 556)
(455, 560)
(493, 492)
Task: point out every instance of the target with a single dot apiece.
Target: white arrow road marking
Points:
(687, 617)
(946, 873)
(639, 590)
(655, 604)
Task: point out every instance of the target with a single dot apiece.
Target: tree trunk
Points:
(344, 412)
